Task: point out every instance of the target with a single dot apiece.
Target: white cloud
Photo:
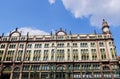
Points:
(32, 31)
(51, 1)
(96, 10)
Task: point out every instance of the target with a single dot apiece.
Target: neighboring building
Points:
(59, 56)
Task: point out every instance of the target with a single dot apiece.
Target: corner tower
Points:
(105, 27)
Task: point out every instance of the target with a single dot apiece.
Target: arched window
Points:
(16, 73)
(17, 69)
(60, 68)
(7, 68)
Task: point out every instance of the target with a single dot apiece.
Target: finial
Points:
(94, 31)
(16, 29)
(2, 34)
(65, 30)
(27, 34)
(60, 29)
(103, 19)
(104, 23)
(51, 33)
(70, 33)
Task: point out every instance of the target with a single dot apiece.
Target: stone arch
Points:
(16, 73)
(60, 67)
(15, 33)
(7, 68)
(5, 72)
(16, 69)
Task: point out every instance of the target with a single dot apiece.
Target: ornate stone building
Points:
(59, 56)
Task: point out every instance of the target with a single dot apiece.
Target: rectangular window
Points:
(46, 46)
(60, 55)
(1, 53)
(10, 55)
(2, 46)
(37, 55)
(27, 55)
(21, 46)
(68, 51)
(45, 58)
(52, 54)
(12, 46)
(19, 55)
(103, 54)
(4, 39)
(60, 45)
(29, 46)
(101, 44)
(38, 46)
(52, 45)
(83, 44)
(92, 44)
(74, 44)
(14, 39)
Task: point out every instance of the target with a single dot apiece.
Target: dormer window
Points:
(61, 32)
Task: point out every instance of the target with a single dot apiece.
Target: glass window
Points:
(101, 44)
(46, 46)
(38, 45)
(92, 44)
(14, 39)
(27, 55)
(37, 55)
(10, 55)
(60, 45)
(45, 58)
(1, 53)
(21, 46)
(74, 44)
(83, 44)
(2, 46)
(29, 46)
(19, 55)
(12, 46)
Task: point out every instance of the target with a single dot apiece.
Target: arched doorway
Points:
(6, 72)
(60, 74)
(16, 73)
(106, 72)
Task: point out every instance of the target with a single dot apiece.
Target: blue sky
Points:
(44, 16)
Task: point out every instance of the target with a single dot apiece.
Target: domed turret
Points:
(105, 27)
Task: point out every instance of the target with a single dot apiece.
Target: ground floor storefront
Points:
(69, 70)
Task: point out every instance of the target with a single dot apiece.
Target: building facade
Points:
(59, 56)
